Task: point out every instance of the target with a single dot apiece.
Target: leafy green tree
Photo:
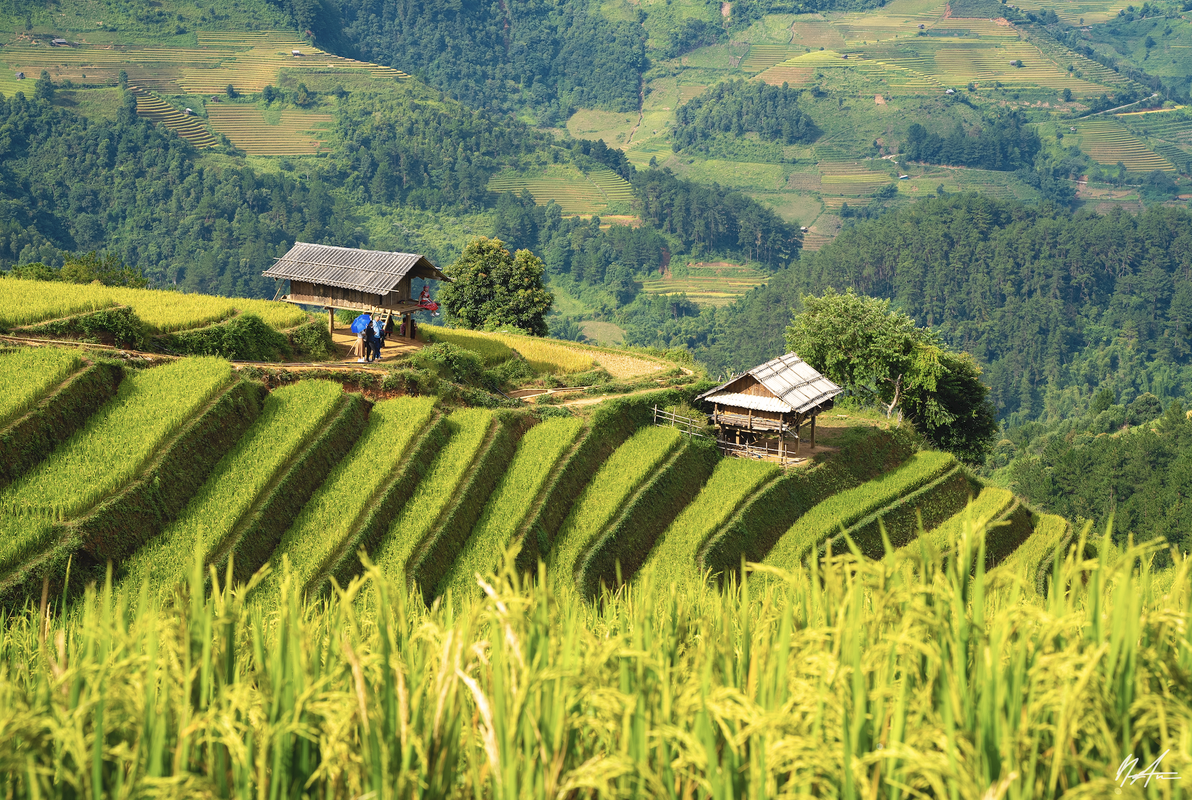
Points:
(269, 94)
(881, 356)
(491, 289)
(1102, 400)
(44, 88)
(231, 92)
(122, 79)
(302, 97)
(1143, 409)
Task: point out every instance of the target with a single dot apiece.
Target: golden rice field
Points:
(296, 132)
(29, 302)
(763, 56)
(1078, 12)
(1108, 142)
(714, 284)
(853, 73)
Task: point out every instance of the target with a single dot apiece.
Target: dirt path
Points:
(641, 107)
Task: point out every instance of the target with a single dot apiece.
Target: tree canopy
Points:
(492, 289)
(880, 355)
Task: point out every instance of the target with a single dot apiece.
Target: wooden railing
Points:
(692, 426)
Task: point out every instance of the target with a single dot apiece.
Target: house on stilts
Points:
(764, 411)
(369, 281)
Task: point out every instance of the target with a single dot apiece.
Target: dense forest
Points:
(546, 56)
(1129, 462)
(709, 219)
(1007, 143)
(128, 187)
(70, 184)
(734, 108)
(1054, 305)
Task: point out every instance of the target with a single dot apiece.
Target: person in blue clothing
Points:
(378, 329)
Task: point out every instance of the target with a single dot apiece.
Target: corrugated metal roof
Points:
(372, 271)
(749, 401)
(792, 380)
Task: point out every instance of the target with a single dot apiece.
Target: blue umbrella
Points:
(360, 323)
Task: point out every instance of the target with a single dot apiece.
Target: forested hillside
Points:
(1054, 305)
(135, 189)
(551, 57)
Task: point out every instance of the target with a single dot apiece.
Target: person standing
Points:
(369, 339)
(359, 347)
(378, 338)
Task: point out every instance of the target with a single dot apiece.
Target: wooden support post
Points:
(330, 320)
(813, 432)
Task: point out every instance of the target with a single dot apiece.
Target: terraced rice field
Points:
(764, 56)
(811, 30)
(1108, 142)
(1167, 132)
(714, 284)
(851, 178)
(853, 73)
(153, 108)
(249, 61)
(574, 191)
(307, 475)
(30, 302)
(1078, 12)
(296, 132)
(1172, 125)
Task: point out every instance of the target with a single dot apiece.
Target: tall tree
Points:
(881, 356)
(492, 289)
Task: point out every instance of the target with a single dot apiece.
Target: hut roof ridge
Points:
(372, 271)
(793, 382)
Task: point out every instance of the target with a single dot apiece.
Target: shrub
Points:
(449, 361)
(116, 326)
(311, 341)
(490, 349)
(242, 338)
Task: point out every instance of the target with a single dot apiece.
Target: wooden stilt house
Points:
(775, 400)
(371, 281)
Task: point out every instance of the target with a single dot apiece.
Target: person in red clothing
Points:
(424, 301)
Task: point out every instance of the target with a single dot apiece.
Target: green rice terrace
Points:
(307, 478)
(278, 588)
